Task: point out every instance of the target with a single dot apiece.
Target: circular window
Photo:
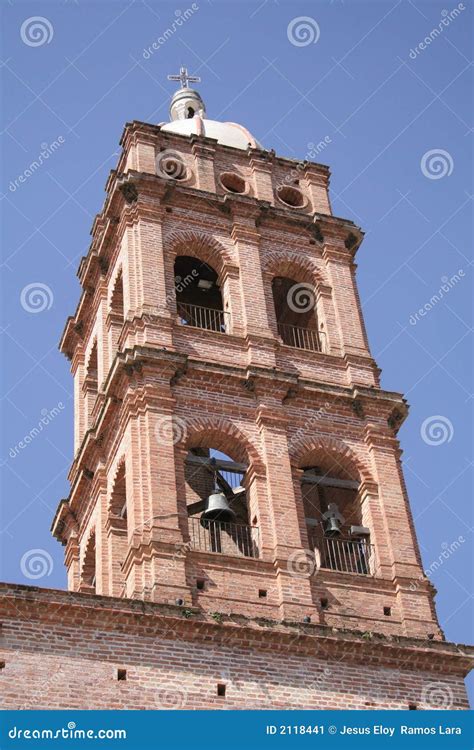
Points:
(170, 164)
(233, 182)
(291, 196)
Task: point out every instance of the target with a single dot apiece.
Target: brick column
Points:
(204, 161)
(317, 182)
(156, 530)
(291, 560)
(256, 326)
(402, 559)
(71, 560)
(329, 330)
(80, 407)
(341, 274)
(101, 550)
(261, 166)
(146, 294)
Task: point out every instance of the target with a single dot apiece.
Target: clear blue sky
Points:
(380, 110)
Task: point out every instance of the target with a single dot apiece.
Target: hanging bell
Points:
(333, 520)
(217, 509)
(332, 526)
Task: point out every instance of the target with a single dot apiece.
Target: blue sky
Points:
(396, 120)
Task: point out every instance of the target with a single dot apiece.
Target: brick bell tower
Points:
(235, 454)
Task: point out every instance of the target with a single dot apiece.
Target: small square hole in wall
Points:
(387, 611)
(412, 707)
(2, 665)
(121, 674)
(262, 593)
(200, 584)
(324, 603)
(221, 689)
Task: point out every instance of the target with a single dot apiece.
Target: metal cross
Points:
(184, 77)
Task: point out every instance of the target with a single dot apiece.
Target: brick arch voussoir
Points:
(88, 547)
(307, 450)
(200, 245)
(117, 277)
(120, 463)
(223, 435)
(293, 266)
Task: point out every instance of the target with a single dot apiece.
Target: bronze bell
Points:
(332, 526)
(217, 509)
(333, 520)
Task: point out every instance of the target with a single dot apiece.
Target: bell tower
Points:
(234, 450)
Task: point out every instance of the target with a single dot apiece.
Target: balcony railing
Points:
(347, 556)
(238, 540)
(203, 317)
(301, 338)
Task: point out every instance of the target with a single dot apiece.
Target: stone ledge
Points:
(55, 606)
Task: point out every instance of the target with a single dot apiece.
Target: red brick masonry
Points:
(64, 650)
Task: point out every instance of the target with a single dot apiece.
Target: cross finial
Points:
(184, 78)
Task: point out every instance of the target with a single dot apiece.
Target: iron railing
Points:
(301, 338)
(236, 539)
(203, 317)
(347, 555)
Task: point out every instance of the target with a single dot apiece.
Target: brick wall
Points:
(64, 651)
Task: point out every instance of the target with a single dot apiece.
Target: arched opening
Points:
(190, 113)
(88, 582)
(295, 310)
(117, 529)
(116, 300)
(92, 369)
(118, 500)
(198, 295)
(91, 385)
(334, 522)
(218, 504)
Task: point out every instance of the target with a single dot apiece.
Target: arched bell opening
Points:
(117, 531)
(296, 314)
(91, 383)
(116, 299)
(334, 519)
(218, 504)
(92, 369)
(198, 295)
(88, 576)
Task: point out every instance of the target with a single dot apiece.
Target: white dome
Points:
(225, 133)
